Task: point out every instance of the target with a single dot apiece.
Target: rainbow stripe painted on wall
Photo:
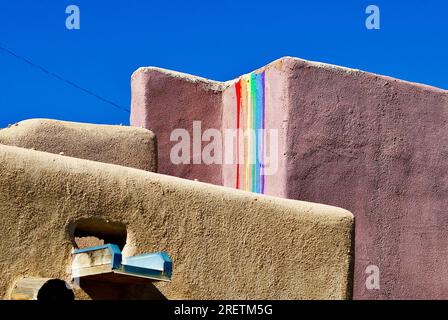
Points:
(250, 117)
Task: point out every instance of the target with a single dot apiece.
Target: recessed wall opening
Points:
(93, 231)
(43, 289)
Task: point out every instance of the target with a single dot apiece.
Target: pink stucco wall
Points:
(374, 145)
(166, 101)
(276, 118)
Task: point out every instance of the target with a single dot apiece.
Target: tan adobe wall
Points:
(126, 146)
(224, 243)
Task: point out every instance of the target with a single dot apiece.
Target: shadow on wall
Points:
(97, 290)
(55, 290)
(95, 231)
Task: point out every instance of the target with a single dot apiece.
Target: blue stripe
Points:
(258, 118)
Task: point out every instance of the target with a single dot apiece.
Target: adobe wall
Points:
(383, 143)
(371, 144)
(127, 146)
(225, 243)
(163, 101)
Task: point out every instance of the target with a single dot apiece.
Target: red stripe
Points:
(238, 111)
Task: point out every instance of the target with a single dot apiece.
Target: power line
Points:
(58, 77)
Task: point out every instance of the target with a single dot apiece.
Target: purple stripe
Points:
(263, 99)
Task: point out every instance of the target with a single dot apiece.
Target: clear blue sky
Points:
(214, 39)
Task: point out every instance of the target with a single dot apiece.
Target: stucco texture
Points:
(224, 243)
(127, 146)
(164, 100)
(371, 144)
